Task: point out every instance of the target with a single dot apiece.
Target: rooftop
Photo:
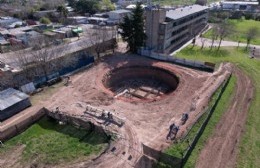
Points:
(10, 97)
(77, 17)
(184, 11)
(120, 11)
(240, 2)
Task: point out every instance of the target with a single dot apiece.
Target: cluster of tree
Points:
(101, 38)
(43, 61)
(132, 29)
(217, 16)
(224, 29)
(91, 6)
(221, 31)
(45, 20)
(26, 8)
(201, 2)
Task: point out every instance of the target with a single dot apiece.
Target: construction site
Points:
(138, 101)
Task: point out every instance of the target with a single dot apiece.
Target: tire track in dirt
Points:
(221, 148)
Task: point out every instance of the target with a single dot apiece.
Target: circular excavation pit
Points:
(140, 82)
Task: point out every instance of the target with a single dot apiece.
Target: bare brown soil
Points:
(145, 122)
(221, 148)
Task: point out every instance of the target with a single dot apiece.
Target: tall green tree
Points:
(201, 2)
(133, 29)
(250, 35)
(87, 6)
(107, 5)
(63, 11)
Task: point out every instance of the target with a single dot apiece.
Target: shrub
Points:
(45, 20)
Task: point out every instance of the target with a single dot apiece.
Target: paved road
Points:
(207, 43)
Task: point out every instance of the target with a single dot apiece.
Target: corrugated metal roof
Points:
(120, 11)
(10, 97)
(184, 11)
(240, 2)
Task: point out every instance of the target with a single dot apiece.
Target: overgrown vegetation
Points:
(249, 146)
(91, 6)
(45, 20)
(47, 142)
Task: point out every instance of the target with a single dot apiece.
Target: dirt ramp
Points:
(221, 148)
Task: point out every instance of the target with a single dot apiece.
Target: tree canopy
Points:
(107, 5)
(87, 6)
(201, 2)
(63, 11)
(133, 29)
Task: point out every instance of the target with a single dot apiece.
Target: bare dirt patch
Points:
(146, 122)
(221, 148)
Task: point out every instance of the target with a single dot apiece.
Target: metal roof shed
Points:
(12, 102)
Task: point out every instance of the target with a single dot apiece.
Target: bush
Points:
(257, 18)
(45, 20)
(236, 15)
(248, 16)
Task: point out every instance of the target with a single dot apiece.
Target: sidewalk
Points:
(223, 43)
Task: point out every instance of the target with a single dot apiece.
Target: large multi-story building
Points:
(167, 30)
(250, 6)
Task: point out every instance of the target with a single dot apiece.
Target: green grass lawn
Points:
(49, 143)
(250, 145)
(239, 33)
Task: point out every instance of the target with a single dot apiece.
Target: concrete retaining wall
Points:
(21, 126)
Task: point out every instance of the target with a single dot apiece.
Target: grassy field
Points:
(250, 144)
(240, 32)
(49, 143)
(176, 149)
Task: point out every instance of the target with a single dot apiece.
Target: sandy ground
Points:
(221, 148)
(145, 122)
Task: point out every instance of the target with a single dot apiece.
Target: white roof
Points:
(77, 17)
(97, 18)
(10, 97)
(120, 11)
(240, 2)
(132, 6)
(184, 11)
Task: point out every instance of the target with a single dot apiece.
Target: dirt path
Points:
(221, 148)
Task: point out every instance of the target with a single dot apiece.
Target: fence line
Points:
(210, 111)
(206, 66)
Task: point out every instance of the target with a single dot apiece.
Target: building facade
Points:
(118, 15)
(167, 30)
(239, 5)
